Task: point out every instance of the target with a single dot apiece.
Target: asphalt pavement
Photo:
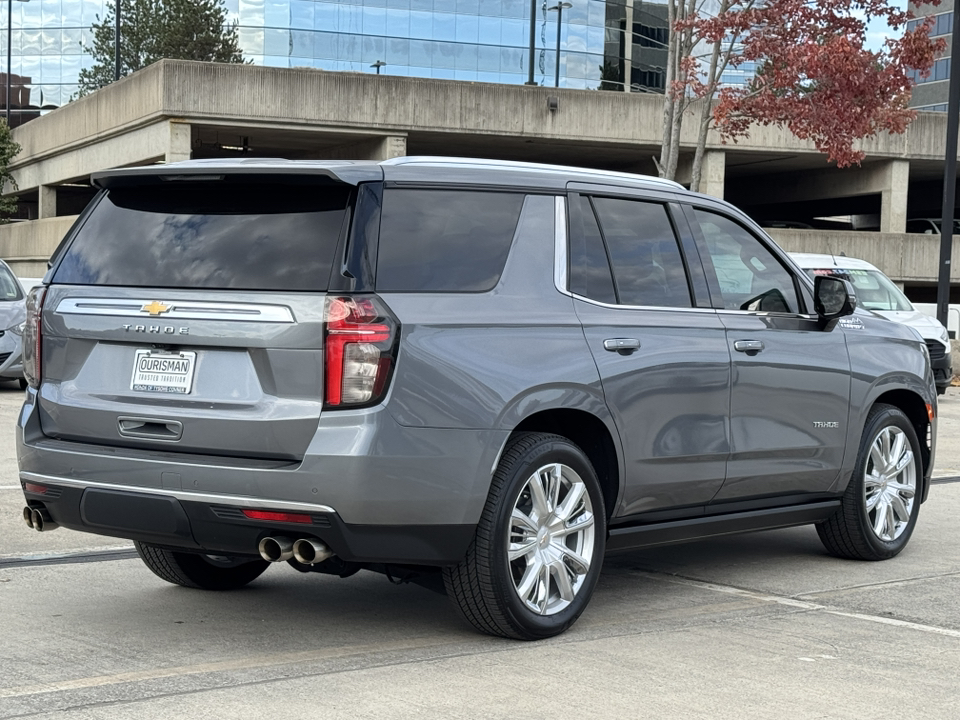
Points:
(753, 626)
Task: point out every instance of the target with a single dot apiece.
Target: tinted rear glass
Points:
(445, 240)
(209, 235)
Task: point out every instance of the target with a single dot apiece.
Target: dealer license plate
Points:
(160, 372)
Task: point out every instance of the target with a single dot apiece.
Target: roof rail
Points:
(439, 161)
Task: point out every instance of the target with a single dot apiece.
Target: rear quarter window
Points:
(445, 240)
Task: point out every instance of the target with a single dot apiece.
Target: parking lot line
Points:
(800, 604)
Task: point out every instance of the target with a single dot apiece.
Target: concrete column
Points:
(713, 172)
(392, 146)
(893, 196)
(47, 205)
(179, 146)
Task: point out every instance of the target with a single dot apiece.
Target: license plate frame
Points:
(166, 378)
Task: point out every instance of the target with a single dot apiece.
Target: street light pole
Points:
(949, 181)
(379, 64)
(9, 58)
(559, 8)
(533, 40)
(116, 45)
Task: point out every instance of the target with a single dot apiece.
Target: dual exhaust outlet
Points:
(304, 551)
(38, 519)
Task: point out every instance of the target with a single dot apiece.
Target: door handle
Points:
(750, 347)
(624, 346)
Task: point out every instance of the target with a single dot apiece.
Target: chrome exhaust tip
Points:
(28, 516)
(41, 520)
(311, 552)
(276, 549)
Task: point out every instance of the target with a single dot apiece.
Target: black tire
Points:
(23, 383)
(483, 586)
(849, 533)
(200, 571)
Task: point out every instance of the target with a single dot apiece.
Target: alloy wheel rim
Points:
(550, 539)
(890, 483)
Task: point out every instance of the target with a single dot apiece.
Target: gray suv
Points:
(488, 372)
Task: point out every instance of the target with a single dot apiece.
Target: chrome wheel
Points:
(890, 483)
(551, 539)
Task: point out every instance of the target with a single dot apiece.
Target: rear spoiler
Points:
(351, 172)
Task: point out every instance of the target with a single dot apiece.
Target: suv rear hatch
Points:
(187, 315)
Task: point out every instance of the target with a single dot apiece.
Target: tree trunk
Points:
(697, 170)
(668, 102)
(685, 44)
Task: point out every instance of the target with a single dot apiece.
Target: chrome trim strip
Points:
(560, 270)
(560, 242)
(657, 308)
(240, 501)
(180, 310)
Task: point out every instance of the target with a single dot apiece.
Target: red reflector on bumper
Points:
(277, 516)
(36, 489)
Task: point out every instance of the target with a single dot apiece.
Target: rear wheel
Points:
(204, 572)
(536, 557)
(880, 506)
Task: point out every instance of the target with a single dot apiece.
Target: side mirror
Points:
(833, 298)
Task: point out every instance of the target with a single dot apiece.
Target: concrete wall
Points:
(26, 246)
(901, 256)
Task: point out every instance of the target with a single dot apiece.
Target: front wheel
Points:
(880, 506)
(204, 572)
(536, 557)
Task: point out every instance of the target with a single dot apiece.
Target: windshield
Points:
(875, 291)
(956, 226)
(9, 286)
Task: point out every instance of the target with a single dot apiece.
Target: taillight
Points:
(359, 342)
(33, 336)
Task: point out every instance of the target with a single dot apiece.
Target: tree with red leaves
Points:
(814, 73)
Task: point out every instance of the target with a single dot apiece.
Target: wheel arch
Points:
(590, 434)
(915, 408)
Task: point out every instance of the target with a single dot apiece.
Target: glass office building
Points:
(605, 44)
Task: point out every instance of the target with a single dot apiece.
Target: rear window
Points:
(445, 240)
(248, 236)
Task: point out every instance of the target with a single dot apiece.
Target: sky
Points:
(877, 30)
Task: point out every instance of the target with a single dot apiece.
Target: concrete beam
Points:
(870, 179)
(143, 145)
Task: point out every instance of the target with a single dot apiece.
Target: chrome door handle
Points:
(624, 346)
(750, 347)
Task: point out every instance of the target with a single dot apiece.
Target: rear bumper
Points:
(203, 523)
(375, 491)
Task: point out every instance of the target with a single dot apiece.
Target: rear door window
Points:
(647, 265)
(590, 274)
(445, 240)
(217, 235)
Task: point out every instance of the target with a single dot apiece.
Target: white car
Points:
(877, 292)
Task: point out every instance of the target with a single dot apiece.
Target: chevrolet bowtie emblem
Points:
(156, 308)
